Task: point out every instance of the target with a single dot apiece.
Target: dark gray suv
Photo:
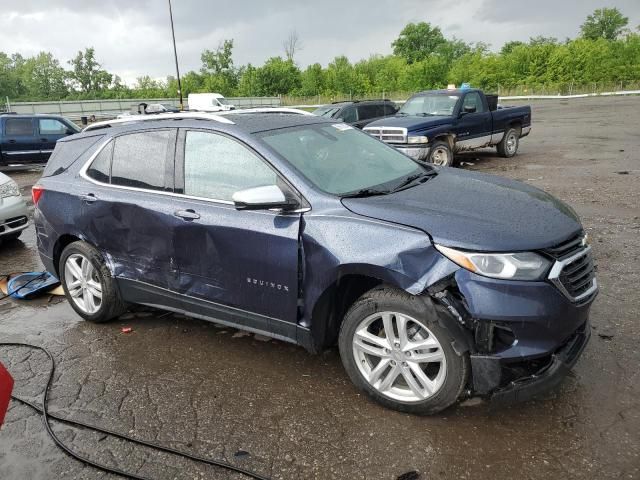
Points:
(432, 281)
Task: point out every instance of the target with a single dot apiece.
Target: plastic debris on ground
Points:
(30, 285)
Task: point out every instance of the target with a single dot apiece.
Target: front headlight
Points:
(9, 189)
(418, 139)
(511, 266)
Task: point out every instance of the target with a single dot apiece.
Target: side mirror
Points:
(69, 132)
(262, 198)
(468, 109)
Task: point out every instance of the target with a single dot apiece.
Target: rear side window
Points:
(349, 115)
(140, 159)
(389, 109)
(100, 168)
(67, 152)
(18, 126)
(216, 167)
(367, 111)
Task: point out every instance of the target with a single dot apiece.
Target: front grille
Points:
(388, 134)
(16, 221)
(574, 270)
(567, 248)
(12, 223)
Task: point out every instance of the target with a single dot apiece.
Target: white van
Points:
(208, 102)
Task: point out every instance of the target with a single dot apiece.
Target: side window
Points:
(139, 159)
(216, 167)
(349, 115)
(51, 126)
(473, 100)
(18, 127)
(389, 109)
(367, 111)
(100, 168)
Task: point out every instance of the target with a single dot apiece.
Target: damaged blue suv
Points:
(435, 283)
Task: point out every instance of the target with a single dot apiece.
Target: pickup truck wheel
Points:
(88, 284)
(441, 154)
(508, 146)
(394, 349)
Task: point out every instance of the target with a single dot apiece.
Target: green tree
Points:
(313, 80)
(509, 46)
(417, 41)
(87, 74)
(219, 74)
(44, 78)
(607, 23)
(277, 77)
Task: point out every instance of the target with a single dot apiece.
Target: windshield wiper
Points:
(407, 182)
(366, 192)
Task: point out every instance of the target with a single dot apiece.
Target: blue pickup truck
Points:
(30, 139)
(433, 125)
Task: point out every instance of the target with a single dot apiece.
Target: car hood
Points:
(476, 211)
(411, 122)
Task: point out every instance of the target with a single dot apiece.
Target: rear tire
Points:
(88, 284)
(440, 154)
(508, 146)
(415, 368)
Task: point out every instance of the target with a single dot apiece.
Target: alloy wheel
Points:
(399, 357)
(512, 143)
(83, 283)
(440, 156)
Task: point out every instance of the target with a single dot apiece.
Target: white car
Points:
(13, 210)
(208, 102)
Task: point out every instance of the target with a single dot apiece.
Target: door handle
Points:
(12, 141)
(44, 139)
(188, 214)
(89, 198)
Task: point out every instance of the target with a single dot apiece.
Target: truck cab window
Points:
(473, 99)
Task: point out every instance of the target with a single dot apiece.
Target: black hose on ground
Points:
(46, 416)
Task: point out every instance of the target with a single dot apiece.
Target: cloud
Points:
(132, 38)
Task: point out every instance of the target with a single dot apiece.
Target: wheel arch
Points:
(61, 243)
(447, 137)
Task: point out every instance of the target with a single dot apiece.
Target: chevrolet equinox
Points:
(435, 283)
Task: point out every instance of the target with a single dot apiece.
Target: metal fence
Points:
(102, 109)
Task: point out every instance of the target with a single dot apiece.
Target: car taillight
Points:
(36, 193)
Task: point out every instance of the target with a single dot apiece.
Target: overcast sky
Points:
(132, 37)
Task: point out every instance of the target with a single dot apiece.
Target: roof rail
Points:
(363, 100)
(158, 117)
(295, 111)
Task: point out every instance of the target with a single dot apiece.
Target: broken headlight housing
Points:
(9, 189)
(508, 266)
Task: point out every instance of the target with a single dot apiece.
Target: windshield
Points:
(339, 159)
(430, 104)
(325, 111)
(222, 101)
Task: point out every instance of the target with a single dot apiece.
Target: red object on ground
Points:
(6, 387)
(126, 329)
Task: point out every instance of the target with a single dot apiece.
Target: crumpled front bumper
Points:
(549, 376)
(420, 153)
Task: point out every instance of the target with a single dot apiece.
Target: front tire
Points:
(88, 284)
(509, 144)
(394, 349)
(440, 154)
